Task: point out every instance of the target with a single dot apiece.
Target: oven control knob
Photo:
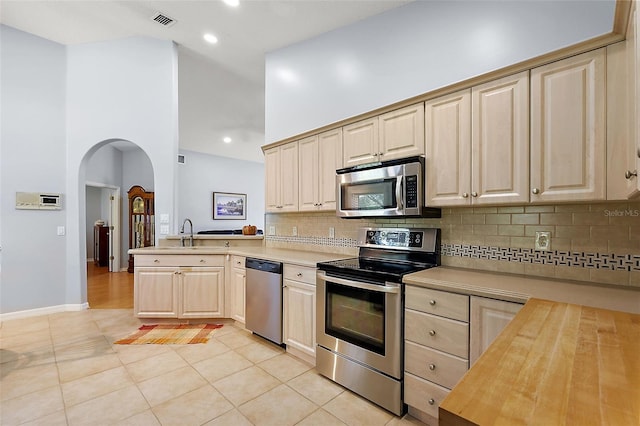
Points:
(432, 332)
(432, 367)
(432, 302)
(431, 401)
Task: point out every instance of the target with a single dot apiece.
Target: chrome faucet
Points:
(190, 233)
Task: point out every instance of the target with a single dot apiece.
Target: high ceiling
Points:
(245, 33)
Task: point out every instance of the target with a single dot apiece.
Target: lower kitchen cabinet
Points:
(299, 311)
(175, 288)
(237, 288)
(488, 318)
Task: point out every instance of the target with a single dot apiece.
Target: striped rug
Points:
(170, 334)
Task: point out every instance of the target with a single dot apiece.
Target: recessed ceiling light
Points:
(232, 3)
(210, 38)
(226, 139)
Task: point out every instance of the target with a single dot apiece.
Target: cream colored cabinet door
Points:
(402, 133)
(201, 292)
(500, 141)
(155, 292)
(360, 142)
(299, 317)
(330, 160)
(281, 178)
(568, 152)
(448, 147)
(488, 318)
(238, 289)
(308, 150)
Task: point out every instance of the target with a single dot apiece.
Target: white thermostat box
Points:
(37, 201)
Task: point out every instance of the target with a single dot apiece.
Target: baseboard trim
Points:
(43, 311)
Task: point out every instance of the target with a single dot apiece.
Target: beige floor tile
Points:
(109, 408)
(22, 381)
(155, 366)
(95, 385)
(280, 406)
(20, 339)
(59, 418)
(321, 418)
(146, 418)
(133, 353)
(221, 366)
(77, 368)
(237, 338)
(32, 406)
(284, 367)
(259, 351)
(194, 408)
(230, 418)
(200, 352)
(245, 385)
(23, 326)
(82, 347)
(171, 385)
(315, 387)
(356, 411)
(31, 354)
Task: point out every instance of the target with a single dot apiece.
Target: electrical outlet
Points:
(543, 240)
(332, 232)
(272, 230)
(60, 231)
(294, 231)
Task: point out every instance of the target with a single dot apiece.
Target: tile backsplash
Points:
(597, 243)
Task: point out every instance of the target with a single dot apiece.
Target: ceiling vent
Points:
(163, 19)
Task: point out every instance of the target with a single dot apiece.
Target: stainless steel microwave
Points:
(389, 188)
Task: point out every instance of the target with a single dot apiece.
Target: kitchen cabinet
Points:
(488, 318)
(396, 134)
(281, 178)
(477, 144)
(568, 151)
(436, 348)
(237, 288)
(179, 286)
(299, 311)
(319, 158)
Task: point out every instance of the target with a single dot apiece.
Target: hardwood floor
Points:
(108, 290)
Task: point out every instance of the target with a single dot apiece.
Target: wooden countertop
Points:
(555, 363)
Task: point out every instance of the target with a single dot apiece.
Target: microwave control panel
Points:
(411, 195)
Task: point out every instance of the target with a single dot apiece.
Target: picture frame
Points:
(228, 205)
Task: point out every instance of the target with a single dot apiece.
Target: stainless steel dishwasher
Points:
(263, 314)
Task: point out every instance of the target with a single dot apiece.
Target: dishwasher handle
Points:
(263, 265)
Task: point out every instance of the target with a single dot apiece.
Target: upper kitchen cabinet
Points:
(319, 156)
(568, 151)
(478, 144)
(281, 178)
(396, 134)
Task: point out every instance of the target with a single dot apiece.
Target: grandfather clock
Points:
(141, 220)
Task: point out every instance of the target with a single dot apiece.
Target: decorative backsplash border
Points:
(614, 262)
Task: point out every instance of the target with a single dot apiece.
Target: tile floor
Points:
(63, 369)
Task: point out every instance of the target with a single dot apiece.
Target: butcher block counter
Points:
(555, 363)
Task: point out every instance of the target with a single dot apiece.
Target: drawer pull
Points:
(238, 263)
(202, 261)
(432, 367)
(299, 274)
(432, 302)
(431, 401)
(156, 260)
(432, 332)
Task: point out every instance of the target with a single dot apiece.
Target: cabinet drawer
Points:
(447, 335)
(423, 395)
(441, 303)
(179, 260)
(435, 366)
(300, 273)
(238, 261)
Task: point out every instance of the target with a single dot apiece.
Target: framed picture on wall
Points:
(229, 206)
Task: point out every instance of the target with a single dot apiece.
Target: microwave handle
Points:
(400, 193)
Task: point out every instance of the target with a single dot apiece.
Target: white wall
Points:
(203, 174)
(32, 159)
(412, 50)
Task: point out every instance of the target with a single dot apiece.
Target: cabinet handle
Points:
(238, 263)
(431, 401)
(202, 261)
(432, 367)
(474, 194)
(535, 191)
(156, 260)
(299, 274)
(465, 195)
(432, 332)
(432, 302)
(629, 174)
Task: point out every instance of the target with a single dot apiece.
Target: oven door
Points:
(361, 321)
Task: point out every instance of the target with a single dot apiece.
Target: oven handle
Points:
(386, 288)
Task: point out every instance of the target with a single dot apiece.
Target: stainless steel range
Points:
(360, 311)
